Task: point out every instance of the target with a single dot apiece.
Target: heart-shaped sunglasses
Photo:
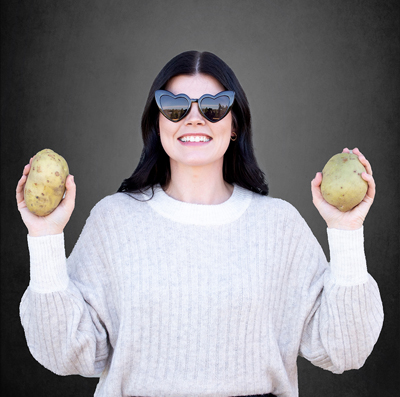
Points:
(213, 107)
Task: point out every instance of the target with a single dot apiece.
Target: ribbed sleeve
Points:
(348, 262)
(346, 311)
(64, 323)
(48, 268)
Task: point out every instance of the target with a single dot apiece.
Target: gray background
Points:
(319, 76)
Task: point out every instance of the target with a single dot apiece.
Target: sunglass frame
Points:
(159, 93)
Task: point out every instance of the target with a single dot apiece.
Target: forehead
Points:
(194, 86)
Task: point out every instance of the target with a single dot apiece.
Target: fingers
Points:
(363, 160)
(371, 186)
(367, 176)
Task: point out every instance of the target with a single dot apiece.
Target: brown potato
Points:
(45, 185)
(342, 184)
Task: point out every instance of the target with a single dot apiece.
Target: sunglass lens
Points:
(174, 108)
(215, 109)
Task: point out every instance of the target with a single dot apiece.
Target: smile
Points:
(196, 138)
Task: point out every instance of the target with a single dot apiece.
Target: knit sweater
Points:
(166, 298)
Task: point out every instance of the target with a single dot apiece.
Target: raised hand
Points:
(350, 220)
(53, 223)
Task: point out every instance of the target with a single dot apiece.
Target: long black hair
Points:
(240, 165)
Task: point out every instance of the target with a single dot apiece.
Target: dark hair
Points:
(240, 165)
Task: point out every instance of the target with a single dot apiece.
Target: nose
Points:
(194, 117)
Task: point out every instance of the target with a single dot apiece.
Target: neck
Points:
(198, 185)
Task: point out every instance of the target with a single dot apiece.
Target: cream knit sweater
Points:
(165, 298)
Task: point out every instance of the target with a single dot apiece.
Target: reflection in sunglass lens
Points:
(174, 108)
(215, 109)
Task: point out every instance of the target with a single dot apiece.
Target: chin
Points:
(196, 161)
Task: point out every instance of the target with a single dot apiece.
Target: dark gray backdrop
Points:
(319, 76)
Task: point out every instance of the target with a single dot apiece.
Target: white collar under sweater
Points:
(201, 214)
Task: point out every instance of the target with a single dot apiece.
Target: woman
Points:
(191, 281)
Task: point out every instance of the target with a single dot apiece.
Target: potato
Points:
(45, 185)
(342, 184)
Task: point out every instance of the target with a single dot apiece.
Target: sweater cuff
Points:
(348, 263)
(48, 263)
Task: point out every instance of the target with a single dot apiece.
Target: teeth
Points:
(195, 139)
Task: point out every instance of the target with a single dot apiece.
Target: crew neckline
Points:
(200, 214)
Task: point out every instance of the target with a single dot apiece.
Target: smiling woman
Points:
(206, 77)
(196, 146)
(191, 280)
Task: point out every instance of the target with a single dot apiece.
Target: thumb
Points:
(70, 194)
(316, 189)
